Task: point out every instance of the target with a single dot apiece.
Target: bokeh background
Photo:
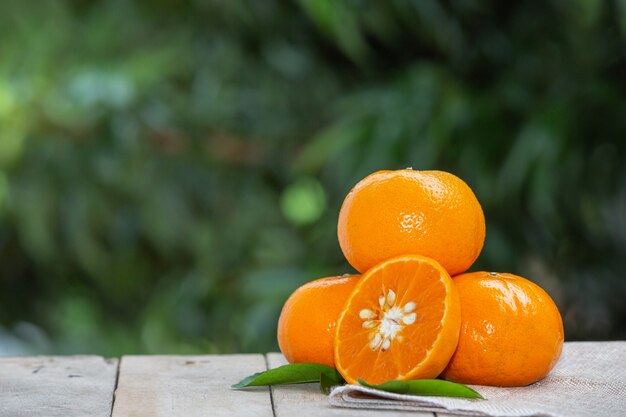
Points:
(170, 170)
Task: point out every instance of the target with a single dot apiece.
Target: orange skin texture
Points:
(511, 331)
(393, 213)
(306, 327)
(424, 344)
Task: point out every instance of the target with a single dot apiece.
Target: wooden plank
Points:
(189, 386)
(72, 386)
(306, 400)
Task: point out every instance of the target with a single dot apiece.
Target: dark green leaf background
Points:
(171, 170)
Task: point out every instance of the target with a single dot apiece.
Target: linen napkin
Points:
(589, 380)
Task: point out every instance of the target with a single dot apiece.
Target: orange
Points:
(429, 213)
(511, 331)
(401, 322)
(306, 327)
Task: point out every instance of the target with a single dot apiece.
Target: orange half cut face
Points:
(401, 322)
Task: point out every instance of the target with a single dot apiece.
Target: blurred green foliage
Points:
(171, 170)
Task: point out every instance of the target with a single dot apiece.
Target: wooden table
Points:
(146, 386)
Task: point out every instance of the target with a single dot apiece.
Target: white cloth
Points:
(589, 380)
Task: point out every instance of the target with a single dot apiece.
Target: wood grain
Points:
(71, 386)
(189, 386)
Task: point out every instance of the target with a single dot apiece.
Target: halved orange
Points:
(401, 322)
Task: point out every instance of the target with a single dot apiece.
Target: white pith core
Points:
(387, 321)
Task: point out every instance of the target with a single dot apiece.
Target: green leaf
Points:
(328, 381)
(430, 387)
(295, 373)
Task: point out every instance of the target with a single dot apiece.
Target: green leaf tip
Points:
(426, 387)
(246, 381)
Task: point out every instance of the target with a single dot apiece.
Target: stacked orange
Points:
(405, 318)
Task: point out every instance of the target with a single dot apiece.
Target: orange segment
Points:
(401, 321)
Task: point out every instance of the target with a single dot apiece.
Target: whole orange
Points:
(511, 331)
(306, 327)
(429, 213)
